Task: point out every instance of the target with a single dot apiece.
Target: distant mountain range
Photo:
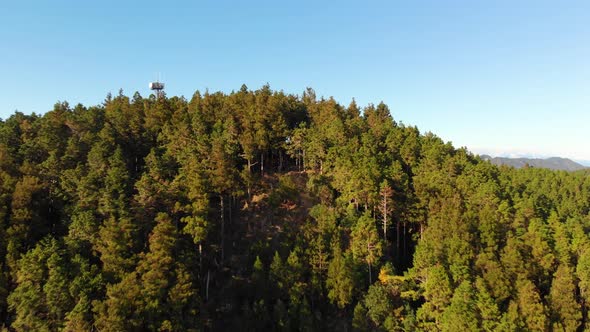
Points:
(554, 163)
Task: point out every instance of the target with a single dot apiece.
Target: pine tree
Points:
(386, 193)
(489, 312)
(565, 309)
(461, 314)
(184, 301)
(156, 269)
(26, 223)
(78, 319)
(378, 304)
(339, 282)
(277, 272)
(28, 300)
(56, 289)
(116, 247)
(365, 242)
(437, 293)
(121, 310)
(531, 307)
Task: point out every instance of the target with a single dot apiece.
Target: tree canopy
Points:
(261, 210)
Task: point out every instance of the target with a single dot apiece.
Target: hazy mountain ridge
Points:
(554, 163)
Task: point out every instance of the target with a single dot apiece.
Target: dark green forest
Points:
(266, 211)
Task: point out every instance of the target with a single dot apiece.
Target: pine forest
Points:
(258, 210)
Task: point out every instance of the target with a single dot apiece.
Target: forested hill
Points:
(259, 210)
(554, 163)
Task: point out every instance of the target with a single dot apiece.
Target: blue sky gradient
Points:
(499, 77)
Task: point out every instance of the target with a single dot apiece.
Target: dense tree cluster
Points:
(260, 210)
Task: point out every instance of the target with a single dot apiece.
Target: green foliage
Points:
(437, 293)
(365, 242)
(489, 312)
(340, 282)
(562, 300)
(530, 307)
(359, 319)
(260, 210)
(378, 306)
(41, 299)
(461, 314)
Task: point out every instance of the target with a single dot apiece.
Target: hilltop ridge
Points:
(553, 163)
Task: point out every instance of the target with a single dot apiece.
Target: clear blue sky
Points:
(496, 76)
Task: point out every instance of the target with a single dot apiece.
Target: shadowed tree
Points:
(365, 243)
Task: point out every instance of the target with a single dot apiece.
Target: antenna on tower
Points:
(157, 87)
